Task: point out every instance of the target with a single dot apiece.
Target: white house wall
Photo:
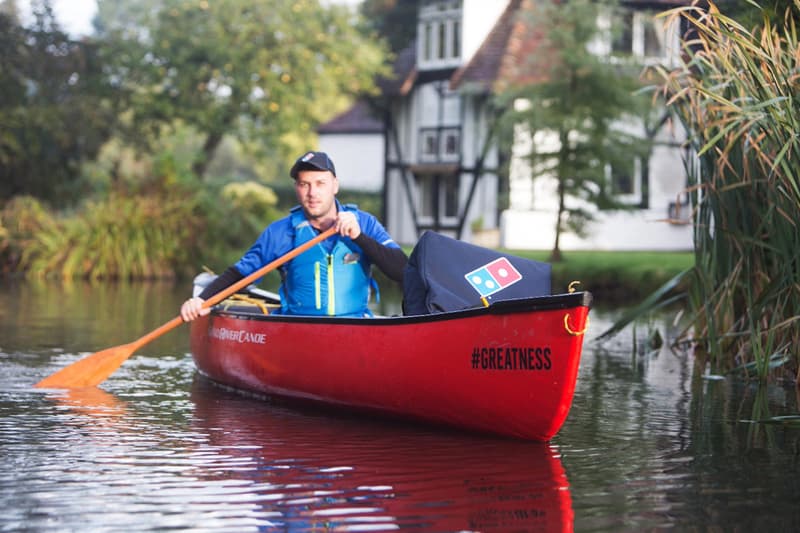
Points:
(529, 223)
(424, 108)
(358, 159)
(619, 231)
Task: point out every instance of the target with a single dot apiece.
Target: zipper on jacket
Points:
(317, 286)
(331, 288)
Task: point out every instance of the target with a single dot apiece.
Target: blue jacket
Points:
(319, 281)
(351, 273)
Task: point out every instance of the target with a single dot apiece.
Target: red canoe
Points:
(509, 368)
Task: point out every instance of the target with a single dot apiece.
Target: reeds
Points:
(136, 237)
(737, 96)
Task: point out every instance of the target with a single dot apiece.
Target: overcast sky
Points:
(75, 16)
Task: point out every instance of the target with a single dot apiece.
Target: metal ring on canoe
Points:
(572, 331)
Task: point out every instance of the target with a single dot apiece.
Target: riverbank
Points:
(614, 276)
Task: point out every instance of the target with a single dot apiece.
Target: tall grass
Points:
(737, 95)
(21, 218)
(143, 233)
(120, 237)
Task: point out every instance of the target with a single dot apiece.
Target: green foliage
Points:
(176, 224)
(164, 80)
(253, 206)
(139, 237)
(20, 220)
(750, 13)
(56, 108)
(576, 105)
(615, 277)
(252, 197)
(737, 96)
(395, 20)
(157, 221)
(267, 70)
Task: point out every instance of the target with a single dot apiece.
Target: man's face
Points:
(316, 191)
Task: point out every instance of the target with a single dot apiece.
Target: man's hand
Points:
(347, 224)
(193, 308)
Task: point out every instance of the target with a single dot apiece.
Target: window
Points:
(426, 196)
(450, 144)
(456, 39)
(442, 41)
(439, 33)
(625, 182)
(437, 196)
(426, 43)
(623, 35)
(643, 35)
(440, 144)
(449, 186)
(429, 145)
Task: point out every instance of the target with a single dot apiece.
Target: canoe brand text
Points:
(238, 335)
(527, 358)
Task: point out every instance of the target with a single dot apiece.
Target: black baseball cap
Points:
(312, 161)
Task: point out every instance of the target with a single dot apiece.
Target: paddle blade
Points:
(89, 371)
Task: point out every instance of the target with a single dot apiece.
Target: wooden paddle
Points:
(94, 369)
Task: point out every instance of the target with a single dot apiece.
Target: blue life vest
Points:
(324, 280)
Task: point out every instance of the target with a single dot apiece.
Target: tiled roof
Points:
(404, 72)
(502, 58)
(358, 119)
(485, 66)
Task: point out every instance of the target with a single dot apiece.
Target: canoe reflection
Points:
(318, 470)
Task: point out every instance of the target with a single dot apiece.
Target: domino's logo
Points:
(493, 277)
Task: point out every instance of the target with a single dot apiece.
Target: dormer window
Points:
(439, 34)
(640, 35)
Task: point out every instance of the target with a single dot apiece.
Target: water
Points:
(650, 443)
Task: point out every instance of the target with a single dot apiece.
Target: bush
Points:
(20, 220)
(139, 237)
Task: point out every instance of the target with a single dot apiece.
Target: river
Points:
(650, 443)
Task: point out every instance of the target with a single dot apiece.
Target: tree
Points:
(394, 20)
(752, 13)
(56, 107)
(579, 102)
(129, 16)
(267, 70)
(9, 9)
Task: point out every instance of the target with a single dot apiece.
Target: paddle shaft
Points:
(94, 369)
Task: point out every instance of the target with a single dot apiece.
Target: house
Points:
(355, 138)
(445, 169)
(652, 187)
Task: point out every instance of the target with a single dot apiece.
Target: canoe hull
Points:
(509, 369)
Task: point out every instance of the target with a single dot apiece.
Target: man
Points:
(332, 278)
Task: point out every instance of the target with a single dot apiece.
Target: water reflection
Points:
(649, 443)
(239, 463)
(324, 471)
(97, 403)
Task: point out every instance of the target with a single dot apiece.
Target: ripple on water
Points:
(156, 449)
